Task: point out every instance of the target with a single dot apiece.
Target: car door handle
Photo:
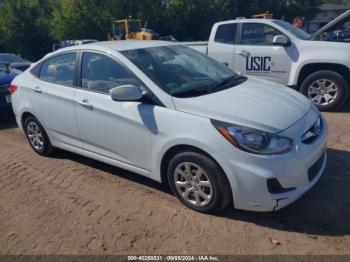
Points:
(85, 103)
(37, 90)
(244, 53)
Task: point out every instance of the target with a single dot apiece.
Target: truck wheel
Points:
(328, 90)
(198, 182)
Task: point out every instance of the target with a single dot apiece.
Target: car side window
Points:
(59, 69)
(226, 34)
(258, 34)
(101, 73)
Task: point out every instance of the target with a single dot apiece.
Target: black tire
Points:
(337, 79)
(221, 196)
(46, 149)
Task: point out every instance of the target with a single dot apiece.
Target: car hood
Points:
(338, 21)
(322, 45)
(255, 103)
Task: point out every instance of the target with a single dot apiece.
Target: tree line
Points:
(30, 27)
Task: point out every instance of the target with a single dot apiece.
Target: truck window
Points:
(258, 34)
(226, 34)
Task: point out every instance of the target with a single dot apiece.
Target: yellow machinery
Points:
(131, 29)
(266, 15)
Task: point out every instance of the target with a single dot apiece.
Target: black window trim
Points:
(80, 71)
(240, 31)
(39, 65)
(236, 36)
(78, 77)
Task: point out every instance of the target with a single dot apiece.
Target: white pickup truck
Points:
(277, 51)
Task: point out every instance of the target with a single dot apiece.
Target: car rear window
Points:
(59, 69)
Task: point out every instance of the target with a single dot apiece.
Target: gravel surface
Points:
(68, 204)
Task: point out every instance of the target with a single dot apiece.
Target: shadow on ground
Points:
(345, 108)
(112, 170)
(7, 120)
(324, 210)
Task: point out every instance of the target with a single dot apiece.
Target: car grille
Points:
(2, 99)
(313, 133)
(4, 88)
(315, 169)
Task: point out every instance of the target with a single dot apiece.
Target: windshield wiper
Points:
(197, 91)
(190, 92)
(228, 82)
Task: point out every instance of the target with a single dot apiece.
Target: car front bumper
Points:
(248, 173)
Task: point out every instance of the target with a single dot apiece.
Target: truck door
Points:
(256, 55)
(221, 46)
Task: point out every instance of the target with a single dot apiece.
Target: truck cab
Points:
(254, 47)
(275, 50)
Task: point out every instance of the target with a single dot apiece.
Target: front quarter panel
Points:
(318, 52)
(175, 128)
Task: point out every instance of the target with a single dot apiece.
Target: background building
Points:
(326, 14)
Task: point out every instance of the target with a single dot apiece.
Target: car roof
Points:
(8, 54)
(2, 55)
(251, 20)
(119, 46)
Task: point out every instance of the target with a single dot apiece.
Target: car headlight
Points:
(252, 140)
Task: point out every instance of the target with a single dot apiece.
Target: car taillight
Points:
(12, 89)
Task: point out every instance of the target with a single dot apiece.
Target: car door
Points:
(256, 55)
(52, 97)
(117, 130)
(222, 48)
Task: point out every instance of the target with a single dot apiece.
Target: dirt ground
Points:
(69, 204)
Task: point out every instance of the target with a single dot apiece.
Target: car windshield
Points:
(11, 58)
(183, 72)
(301, 34)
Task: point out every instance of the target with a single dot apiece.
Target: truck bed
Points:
(200, 46)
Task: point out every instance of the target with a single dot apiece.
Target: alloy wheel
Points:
(35, 136)
(193, 184)
(323, 92)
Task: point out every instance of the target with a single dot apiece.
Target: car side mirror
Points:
(127, 93)
(281, 40)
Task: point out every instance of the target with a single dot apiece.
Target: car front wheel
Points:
(198, 182)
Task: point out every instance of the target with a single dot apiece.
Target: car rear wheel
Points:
(328, 90)
(37, 137)
(198, 182)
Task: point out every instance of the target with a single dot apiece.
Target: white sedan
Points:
(167, 112)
